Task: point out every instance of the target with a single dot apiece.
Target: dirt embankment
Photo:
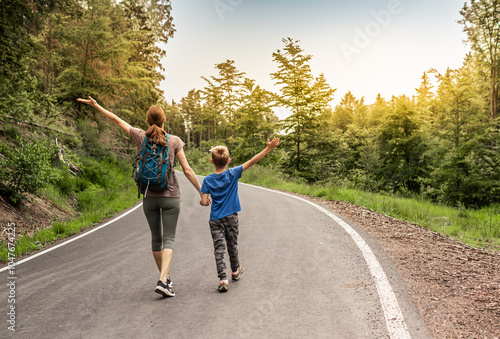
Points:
(32, 215)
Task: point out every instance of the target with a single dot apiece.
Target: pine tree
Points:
(403, 147)
(349, 111)
(481, 22)
(192, 113)
(213, 107)
(467, 170)
(228, 87)
(305, 96)
(377, 112)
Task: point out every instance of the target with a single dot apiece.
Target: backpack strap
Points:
(141, 169)
(165, 161)
(143, 148)
(168, 149)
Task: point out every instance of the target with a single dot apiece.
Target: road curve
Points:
(304, 277)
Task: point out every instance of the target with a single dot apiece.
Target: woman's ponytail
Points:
(156, 117)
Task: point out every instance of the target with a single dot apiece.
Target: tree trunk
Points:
(494, 100)
(457, 132)
(47, 65)
(298, 155)
(215, 127)
(493, 95)
(38, 125)
(48, 71)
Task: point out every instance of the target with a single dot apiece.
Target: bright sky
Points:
(365, 46)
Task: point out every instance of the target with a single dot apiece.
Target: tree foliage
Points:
(481, 22)
(441, 143)
(54, 51)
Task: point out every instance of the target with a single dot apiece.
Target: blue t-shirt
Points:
(223, 188)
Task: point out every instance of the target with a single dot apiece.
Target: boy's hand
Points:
(272, 144)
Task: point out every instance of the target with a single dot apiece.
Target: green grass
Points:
(478, 228)
(114, 191)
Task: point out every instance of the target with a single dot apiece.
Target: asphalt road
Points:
(304, 277)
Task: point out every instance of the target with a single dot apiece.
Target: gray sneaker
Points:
(223, 286)
(237, 275)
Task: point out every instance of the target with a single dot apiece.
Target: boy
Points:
(223, 187)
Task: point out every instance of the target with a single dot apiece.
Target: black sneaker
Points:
(165, 289)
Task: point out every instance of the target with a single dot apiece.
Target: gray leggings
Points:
(158, 211)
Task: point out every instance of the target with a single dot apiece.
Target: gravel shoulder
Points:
(455, 287)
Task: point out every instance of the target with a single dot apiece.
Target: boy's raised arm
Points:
(270, 146)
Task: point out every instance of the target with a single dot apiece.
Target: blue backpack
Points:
(153, 168)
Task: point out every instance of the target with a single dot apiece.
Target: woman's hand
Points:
(205, 200)
(90, 101)
(110, 115)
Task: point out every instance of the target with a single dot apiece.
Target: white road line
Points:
(394, 319)
(72, 239)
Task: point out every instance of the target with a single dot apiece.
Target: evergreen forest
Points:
(440, 144)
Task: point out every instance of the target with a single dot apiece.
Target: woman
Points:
(158, 207)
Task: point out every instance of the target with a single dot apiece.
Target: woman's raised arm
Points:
(113, 117)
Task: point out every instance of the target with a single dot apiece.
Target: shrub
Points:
(200, 161)
(66, 183)
(10, 131)
(90, 134)
(25, 168)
